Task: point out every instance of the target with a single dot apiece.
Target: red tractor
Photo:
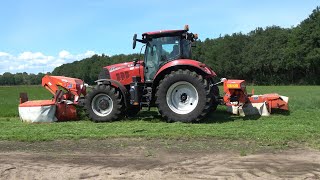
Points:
(181, 88)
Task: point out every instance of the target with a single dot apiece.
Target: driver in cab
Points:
(174, 53)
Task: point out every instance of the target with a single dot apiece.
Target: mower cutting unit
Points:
(167, 78)
(241, 103)
(66, 91)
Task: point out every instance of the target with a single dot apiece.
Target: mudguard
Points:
(187, 62)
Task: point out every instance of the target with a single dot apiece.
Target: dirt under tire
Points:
(103, 104)
(183, 96)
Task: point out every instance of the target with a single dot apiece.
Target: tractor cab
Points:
(163, 47)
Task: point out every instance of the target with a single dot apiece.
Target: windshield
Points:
(168, 47)
(163, 49)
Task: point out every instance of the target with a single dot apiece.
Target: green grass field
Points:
(9, 98)
(301, 125)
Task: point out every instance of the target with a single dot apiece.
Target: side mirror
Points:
(135, 61)
(134, 41)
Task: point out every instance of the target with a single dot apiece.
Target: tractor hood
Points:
(123, 72)
(119, 66)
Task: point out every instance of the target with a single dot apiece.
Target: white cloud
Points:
(64, 54)
(35, 62)
(31, 55)
(67, 57)
(4, 54)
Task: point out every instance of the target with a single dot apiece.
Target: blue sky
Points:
(38, 35)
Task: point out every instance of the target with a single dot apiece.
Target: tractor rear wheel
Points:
(183, 96)
(103, 104)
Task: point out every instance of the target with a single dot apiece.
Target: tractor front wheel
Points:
(103, 104)
(183, 96)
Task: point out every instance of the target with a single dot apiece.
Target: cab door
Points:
(151, 61)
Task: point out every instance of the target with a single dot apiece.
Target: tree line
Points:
(265, 56)
(20, 79)
(273, 55)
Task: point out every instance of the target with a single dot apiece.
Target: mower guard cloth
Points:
(249, 109)
(37, 111)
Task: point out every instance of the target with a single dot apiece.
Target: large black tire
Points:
(215, 93)
(103, 104)
(177, 93)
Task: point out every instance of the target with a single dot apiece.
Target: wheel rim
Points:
(182, 97)
(102, 105)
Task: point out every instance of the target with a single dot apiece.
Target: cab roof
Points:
(163, 33)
